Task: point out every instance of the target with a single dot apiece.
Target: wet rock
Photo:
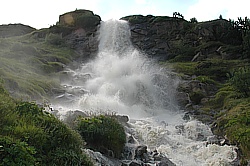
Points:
(71, 117)
(186, 117)
(131, 140)
(128, 153)
(182, 99)
(101, 160)
(136, 163)
(218, 140)
(140, 150)
(166, 162)
(122, 118)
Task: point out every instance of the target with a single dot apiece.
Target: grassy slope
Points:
(30, 136)
(29, 65)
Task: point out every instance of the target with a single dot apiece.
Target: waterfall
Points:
(122, 80)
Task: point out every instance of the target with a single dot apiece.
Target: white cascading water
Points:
(124, 81)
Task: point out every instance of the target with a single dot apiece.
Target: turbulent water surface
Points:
(122, 80)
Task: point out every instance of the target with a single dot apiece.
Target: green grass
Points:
(235, 124)
(30, 136)
(29, 65)
(214, 69)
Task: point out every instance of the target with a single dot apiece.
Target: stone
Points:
(140, 150)
(164, 38)
(166, 162)
(80, 18)
(136, 163)
(122, 118)
(131, 140)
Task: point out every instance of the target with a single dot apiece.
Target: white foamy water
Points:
(122, 80)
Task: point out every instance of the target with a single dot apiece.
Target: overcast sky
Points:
(44, 13)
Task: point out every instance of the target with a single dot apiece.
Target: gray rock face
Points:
(165, 37)
(84, 42)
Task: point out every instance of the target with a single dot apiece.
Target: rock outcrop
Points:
(78, 29)
(84, 26)
(166, 38)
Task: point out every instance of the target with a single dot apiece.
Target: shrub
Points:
(240, 80)
(32, 130)
(55, 143)
(193, 20)
(246, 43)
(15, 152)
(103, 133)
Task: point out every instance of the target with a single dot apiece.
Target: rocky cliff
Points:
(78, 29)
(167, 38)
(160, 37)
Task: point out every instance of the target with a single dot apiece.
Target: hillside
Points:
(212, 59)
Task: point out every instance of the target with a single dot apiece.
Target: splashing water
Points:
(123, 80)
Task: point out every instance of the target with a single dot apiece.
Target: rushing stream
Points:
(122, 80)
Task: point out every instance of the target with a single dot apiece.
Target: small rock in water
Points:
(186, 117)
(140, 150)
(122, 118)
(131, 140)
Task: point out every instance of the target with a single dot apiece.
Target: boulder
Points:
(140, 150)
(80, 18)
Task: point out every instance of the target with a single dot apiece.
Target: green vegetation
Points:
(231, 101)
(196, 96)
(103, 133)
(216, 69)
(87, 20)
(240, 80)
(14, 152)
(30, 136)
(216, 53)
(235, 122)
(29, 64)
(193, 20)
(228, 106)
